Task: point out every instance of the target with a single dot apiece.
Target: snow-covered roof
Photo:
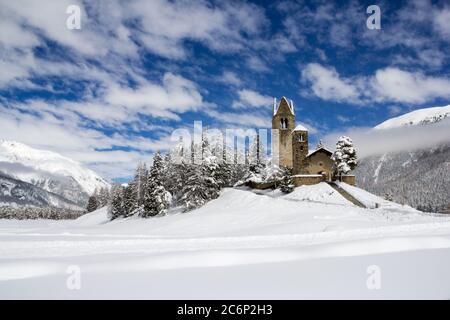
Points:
(323, 148)
(300, 127)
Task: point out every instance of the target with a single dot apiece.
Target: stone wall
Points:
(299, 152)
(261, 185)
(307, 179)
(350, 179)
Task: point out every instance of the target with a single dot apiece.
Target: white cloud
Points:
(175, 95)
(441, 22)
(60, 129)
(257, 64)
(392, 84)
(327, 84)
(221, 27)
(242, 120)
(386, 85)
(230, 78)
(252, 99)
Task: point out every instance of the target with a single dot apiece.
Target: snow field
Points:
(311, 243)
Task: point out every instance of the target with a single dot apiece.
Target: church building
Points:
(291, 141)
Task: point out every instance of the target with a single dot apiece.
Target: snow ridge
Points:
(417, 117)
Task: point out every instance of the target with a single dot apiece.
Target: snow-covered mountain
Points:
(17, 193)
(420, 116)
(49, 171)
(420, 178)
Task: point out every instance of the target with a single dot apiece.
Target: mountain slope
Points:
(18, 193)
(420, 178)
(49, 171)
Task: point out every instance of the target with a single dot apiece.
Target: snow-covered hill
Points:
(419, 177)
(49, 171)
(417, 117)
(311, 243)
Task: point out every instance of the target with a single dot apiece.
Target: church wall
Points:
(320, 162)
(285, 147)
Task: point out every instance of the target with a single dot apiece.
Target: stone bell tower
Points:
(284, 121)
(300, 149)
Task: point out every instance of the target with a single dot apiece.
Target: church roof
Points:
(283, 101)
(323, 149)
(300, 127)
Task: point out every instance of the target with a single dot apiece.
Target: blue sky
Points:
(110, 94)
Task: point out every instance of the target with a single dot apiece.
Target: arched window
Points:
(283, 123)
(301, 138)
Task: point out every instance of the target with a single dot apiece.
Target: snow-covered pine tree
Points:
(169, 174)
(156, 198)
(195, 191)
(103, 197)
(256, 152)
(140, 179)
(92, 203)
(201, 179)
(224, 175)
(130, 199)
(344, 157)
(286, 182)
(116, 207)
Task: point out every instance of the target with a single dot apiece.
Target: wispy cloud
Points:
(252, 99)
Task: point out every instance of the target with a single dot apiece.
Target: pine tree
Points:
(156, 198)
(202, 179)
(286, 183)
(140, 180)
(130, 199)
(116, 207)
(92, 203)
(256, 151)
(103, 197)
(195, 191)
